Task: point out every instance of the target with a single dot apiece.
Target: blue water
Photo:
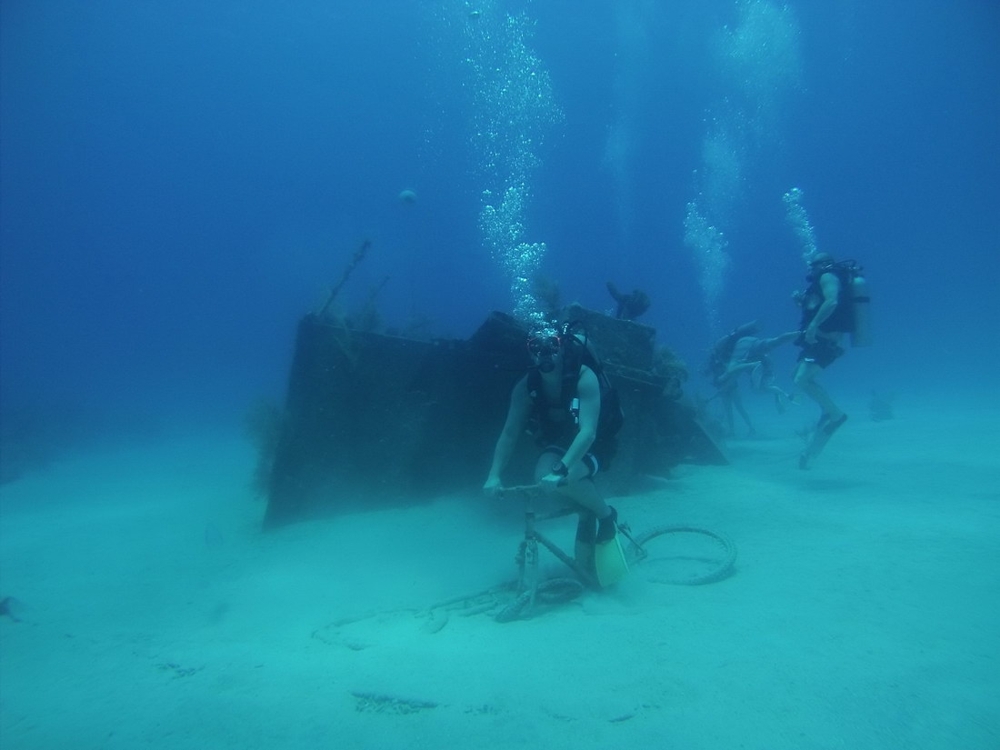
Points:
(180, 181)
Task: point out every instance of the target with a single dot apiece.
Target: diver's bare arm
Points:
(517, 416)
(779, 340)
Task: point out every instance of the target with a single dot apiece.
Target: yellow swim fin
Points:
(610, 562)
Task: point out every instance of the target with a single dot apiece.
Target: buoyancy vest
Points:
(576, 354)
(842, 318)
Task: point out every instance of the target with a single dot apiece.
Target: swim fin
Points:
(824, 431)
(609, 562)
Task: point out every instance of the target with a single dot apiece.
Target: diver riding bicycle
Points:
(566, 399)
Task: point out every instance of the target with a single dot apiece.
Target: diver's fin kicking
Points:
(824, 431)
(609, 557)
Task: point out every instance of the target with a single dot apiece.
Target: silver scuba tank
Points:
(861, 304)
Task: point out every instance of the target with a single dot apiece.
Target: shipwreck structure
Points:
(373, 419)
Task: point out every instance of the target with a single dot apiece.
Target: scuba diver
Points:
(718, 370)
(567, 400)
(743, 352)
(829, 310)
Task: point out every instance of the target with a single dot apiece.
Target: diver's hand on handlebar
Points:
(549, 482)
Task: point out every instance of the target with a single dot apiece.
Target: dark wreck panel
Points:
(374, 419)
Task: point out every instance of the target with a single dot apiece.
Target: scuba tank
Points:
(861, 307)
(852, 314)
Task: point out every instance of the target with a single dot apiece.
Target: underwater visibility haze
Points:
(180, 182)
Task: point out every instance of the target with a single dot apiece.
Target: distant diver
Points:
(742, 351)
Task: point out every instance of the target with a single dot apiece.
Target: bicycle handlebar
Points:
(526, 490)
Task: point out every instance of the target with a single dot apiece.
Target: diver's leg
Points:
(586, 536)
(578, 488)
(805, 380)
(584, 493)
(781, 399)
(545, 463)
(734, 369)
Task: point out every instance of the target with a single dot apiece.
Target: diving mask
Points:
(544, 350)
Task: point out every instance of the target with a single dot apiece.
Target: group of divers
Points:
(566, 401)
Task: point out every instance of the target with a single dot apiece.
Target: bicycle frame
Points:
(527, 553)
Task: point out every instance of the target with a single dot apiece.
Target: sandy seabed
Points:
(863, 612)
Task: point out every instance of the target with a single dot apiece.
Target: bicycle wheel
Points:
(682, 555)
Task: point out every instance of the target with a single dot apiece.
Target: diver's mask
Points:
(543, 350)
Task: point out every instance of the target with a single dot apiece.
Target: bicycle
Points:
(519, 599)
(529, 590)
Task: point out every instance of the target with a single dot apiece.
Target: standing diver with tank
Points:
(835, 302)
